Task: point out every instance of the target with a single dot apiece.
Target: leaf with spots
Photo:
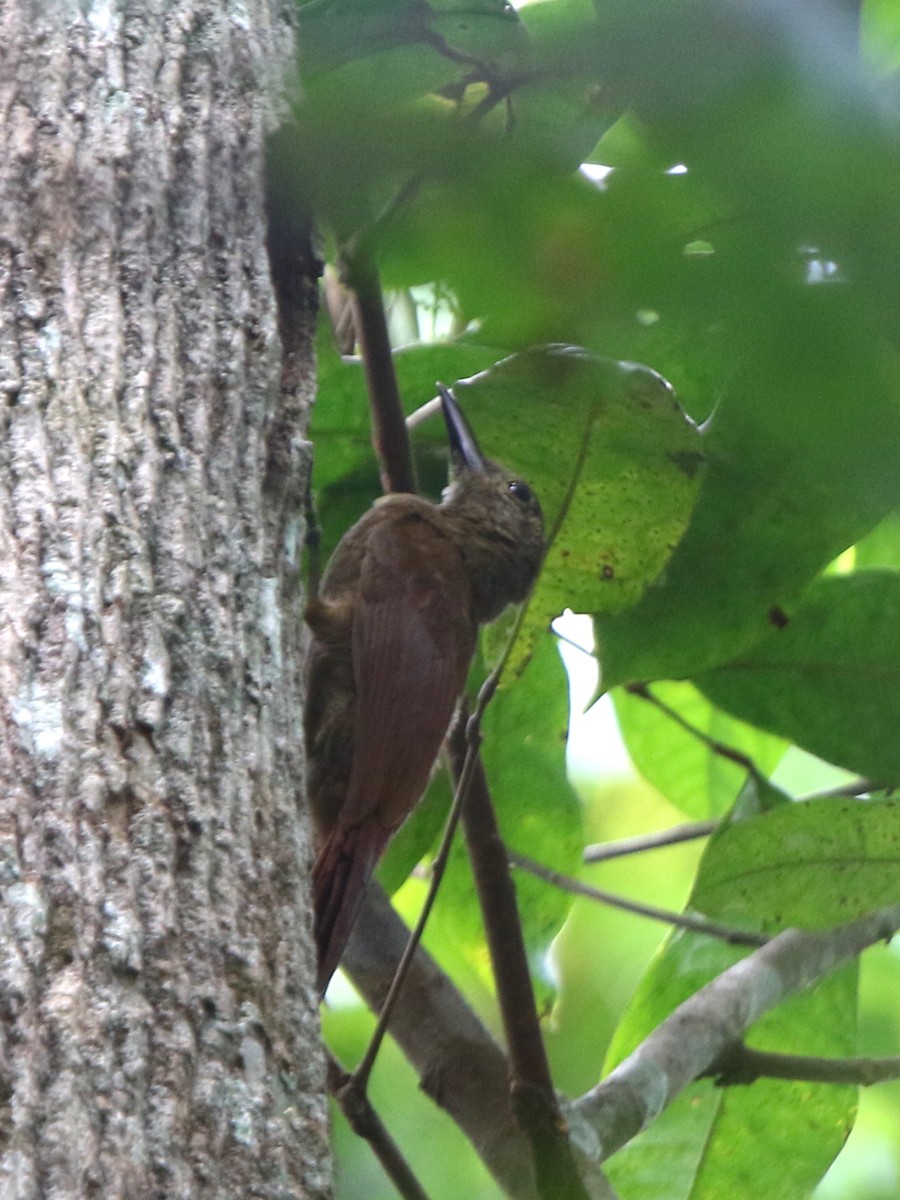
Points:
(829, 677)
(813, 864)
(614, 460)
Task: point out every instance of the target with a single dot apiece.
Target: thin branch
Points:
(603, 851)
(459, 1064)
(739, 1064)
(725, 933)
(533, 1095)
(496, 892)
(367, 1124)
(700, 1030)
(423, 413)
(564, 637)
(853, 789)
(389, 435)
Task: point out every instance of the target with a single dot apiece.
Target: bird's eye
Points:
(520, 490)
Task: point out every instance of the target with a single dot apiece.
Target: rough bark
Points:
(158, 1027)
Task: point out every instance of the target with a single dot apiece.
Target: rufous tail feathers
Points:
(341, 871)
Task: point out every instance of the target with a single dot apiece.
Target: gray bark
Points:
(158, 1024)
(692, 1040)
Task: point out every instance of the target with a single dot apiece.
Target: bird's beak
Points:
(463, 446)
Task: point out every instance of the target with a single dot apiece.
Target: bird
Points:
(393, 632)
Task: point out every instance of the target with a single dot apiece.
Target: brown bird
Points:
(394, 629)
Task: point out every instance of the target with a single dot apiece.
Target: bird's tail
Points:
(341, 871)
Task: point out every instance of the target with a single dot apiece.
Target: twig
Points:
(725, 933)
(389, 435)
(739, 1064)
(360, 1076)
(564, 637)
(459, 1064)
(533, 1094)
(720, 748)
(366, 1123)
(853, 789)
(602, 851)
(423, 413)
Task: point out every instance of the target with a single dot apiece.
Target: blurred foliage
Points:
(692, 750)
(738, 551)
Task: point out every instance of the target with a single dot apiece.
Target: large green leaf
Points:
(399, 95)
(613, 459)
(830, 678)
(334, 33)
(775, 1138)
(557, 103)
(881, 548)
(787, 449)
(812, 864)
(786, 148)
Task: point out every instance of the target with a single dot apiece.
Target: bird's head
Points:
(496, 516)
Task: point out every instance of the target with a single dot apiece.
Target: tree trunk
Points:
(158, 1027)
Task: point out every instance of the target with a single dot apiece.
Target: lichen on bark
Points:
(158, 1027)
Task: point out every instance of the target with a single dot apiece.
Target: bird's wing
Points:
(413, 639)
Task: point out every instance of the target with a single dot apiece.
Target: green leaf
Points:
(608, 451)
(813, 864)
(336, 32)
(418, 834)
(780, 499)
(686, 769)
(881, 547)
(743, 875)
(830, 679)
(708, 1142)
(613, 460)
(664, 1159)
(488, 33)
(558, 105)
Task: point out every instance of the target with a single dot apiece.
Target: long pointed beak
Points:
(463, 446)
